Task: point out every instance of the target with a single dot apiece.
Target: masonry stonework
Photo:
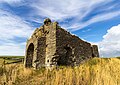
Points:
(51, 45)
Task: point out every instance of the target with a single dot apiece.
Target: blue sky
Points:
(96, 21)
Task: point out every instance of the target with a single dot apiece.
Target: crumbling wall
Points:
(39, 41)
(95, 52)
(40, 60)
(50, 31)
(81, 50)
(52, 45)
(33, 54)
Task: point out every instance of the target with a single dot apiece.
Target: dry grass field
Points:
(97, 71)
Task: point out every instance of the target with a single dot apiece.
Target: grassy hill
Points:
(11, 59)
(97, 71)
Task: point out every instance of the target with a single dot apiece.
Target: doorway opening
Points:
(65, 59)
(29, 57)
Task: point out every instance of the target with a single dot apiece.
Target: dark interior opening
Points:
(48, 61)
(29, 56)
(64, 59)
(68, 55)
(93, 55)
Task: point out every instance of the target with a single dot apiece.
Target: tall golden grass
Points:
(97, 71)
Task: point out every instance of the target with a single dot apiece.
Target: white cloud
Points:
(12, 49)
(98, 18)
(60, 10)
(12, 26)
(110, 45)
(76, 9)
(11, 1)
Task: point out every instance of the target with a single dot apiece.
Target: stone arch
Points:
(29, 56)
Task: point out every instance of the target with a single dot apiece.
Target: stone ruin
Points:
(50, 45)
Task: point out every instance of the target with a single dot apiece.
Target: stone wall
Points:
(32, 41)
(50, 31)
(80, 50)
(52, 45)
(38, 39)
(41, 52)
(95, 52)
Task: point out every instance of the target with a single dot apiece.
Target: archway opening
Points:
(65, 59)
(68, 55)
(29, 57)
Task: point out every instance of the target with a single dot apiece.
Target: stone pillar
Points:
(95, 52)
(50, 32)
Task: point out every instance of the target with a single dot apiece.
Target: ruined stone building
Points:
(51, 45)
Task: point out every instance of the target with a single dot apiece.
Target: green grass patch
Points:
(118, 57)
(11, 59)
